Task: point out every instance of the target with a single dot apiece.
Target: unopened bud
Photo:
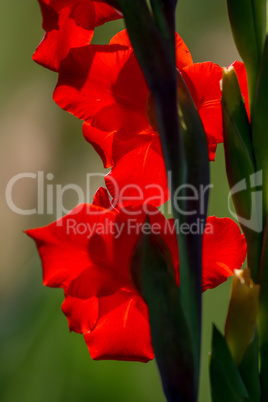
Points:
(242, 314)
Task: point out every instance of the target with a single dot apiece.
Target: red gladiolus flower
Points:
(69, 24)
(105, 86)
(88, 254)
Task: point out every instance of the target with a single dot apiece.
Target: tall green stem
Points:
(153, 43)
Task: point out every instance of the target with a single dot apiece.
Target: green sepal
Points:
(240, 166)
(226, 382)
(259, 120)
(249, 370)
(152, 273)
(248, 23)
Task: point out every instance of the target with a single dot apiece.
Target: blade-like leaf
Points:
(226, 382)
(249, 370)
(260, 124)
(197, 177)
(240, 167)
(153, 275)
(263, 316)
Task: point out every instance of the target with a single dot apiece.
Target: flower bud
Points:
(242, 314)
(248, 23)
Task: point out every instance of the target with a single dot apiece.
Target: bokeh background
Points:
(40, 359)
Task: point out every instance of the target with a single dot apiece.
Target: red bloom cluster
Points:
(88, 252)
(105, 86)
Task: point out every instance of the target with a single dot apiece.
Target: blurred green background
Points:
(39, 359)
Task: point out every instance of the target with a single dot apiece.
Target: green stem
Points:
(150, 45)
(164, 15)
(153, 275)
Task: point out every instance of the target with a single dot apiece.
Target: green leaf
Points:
(248, 22)
(226, 382)
(187, 200)
(240, 166)
(263, 316)
(237, 141)
(152, 273)
(260, 123)
(164, 15)
(197, 178)
(148, 43)
(249, 370)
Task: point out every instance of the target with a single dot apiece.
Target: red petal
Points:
(74, 28)
(203, 82)
(212, 151)
(69, 24)
(106, 96)
(102, 199)
(104, 13)
(122, 331)
(183, 55)
(72, 250)
(101, 141)
(147, 181)
(82, 315)
(224, 249)
(121, 38)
